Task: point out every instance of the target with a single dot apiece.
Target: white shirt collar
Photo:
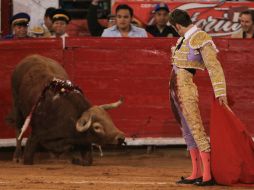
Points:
(133, 28)
(190, 31)
(62, 36)
(65, 35)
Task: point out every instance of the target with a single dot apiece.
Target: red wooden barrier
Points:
(139, 70)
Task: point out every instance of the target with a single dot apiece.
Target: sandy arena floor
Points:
(131, 169)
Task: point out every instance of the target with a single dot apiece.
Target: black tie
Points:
(180, 44)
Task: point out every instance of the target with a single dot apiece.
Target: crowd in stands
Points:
(121, 24)
(55, 24)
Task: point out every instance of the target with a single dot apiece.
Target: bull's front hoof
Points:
(17, 159)
(76, 161)
(80, 162)
(87, 162)
(28, 162)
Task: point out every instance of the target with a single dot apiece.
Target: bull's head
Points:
(98, 121)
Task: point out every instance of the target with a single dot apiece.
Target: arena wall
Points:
(138, 70)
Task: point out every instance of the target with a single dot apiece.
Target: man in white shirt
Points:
(123, 27)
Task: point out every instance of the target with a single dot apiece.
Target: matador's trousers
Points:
(184, 105)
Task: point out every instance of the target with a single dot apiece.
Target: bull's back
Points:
(30, 77)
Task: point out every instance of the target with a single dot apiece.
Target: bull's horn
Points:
(83, 128)
(112, 105)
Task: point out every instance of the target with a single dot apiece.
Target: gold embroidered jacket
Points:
(199, 52)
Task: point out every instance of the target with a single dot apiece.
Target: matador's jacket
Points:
(195, 51)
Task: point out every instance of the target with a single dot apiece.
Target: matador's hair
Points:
(179, 17)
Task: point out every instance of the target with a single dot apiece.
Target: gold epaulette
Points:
(199, 39)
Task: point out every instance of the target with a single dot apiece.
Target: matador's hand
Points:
(223, 100)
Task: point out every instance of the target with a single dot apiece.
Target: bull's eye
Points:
(97, 128)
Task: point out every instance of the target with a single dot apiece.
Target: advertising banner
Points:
(219, 19)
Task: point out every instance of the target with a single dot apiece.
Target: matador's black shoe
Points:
(189, 181)
(210, 182)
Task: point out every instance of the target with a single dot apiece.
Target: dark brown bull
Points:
(62, 119)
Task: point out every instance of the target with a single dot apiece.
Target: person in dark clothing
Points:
(246, 20)
(48, 31)
(160, 28)
(95, 28)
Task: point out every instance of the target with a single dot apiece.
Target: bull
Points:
(61, 118)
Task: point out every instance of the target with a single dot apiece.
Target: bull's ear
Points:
(112, 105)
(82, 126)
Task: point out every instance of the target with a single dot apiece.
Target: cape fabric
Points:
(232, 148)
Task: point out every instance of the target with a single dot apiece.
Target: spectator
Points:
(60, 19)
(95, 28)
(19, 23)
(247, 25)
(123, 27)
(161, 17)
(46, 29)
